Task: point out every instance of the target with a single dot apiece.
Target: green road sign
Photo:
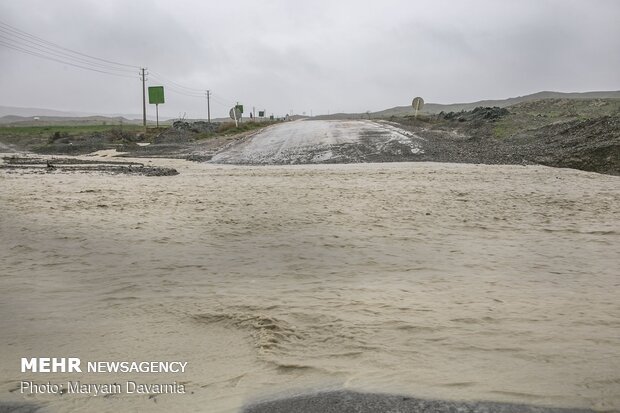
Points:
(156, 94)
(261, 113)
(240, 107)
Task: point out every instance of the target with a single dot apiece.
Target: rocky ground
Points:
(524, 134)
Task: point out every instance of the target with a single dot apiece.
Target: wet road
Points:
(321, 141)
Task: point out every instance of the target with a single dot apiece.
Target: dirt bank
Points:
(522, 135)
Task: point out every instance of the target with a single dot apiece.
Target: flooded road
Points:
(449, 281)
(318, 141)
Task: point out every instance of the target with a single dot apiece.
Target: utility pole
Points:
(143, 78)
(208, 106)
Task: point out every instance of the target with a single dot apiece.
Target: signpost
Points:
(418, 104)
(156, 96)
(235, 114)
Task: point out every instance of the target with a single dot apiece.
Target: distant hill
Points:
(31, 112)
(26, 116)
(10, 114)
(433, 108)
(456, 107)
(64, 120)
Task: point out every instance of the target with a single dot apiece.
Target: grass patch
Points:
(229, 128)
(504, 129)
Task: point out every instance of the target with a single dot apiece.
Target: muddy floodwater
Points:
(458, 282)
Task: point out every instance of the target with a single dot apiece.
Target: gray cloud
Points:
(319, 56)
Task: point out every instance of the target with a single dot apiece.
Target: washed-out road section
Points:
(321, 141)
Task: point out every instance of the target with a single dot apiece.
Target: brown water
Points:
(451, 281)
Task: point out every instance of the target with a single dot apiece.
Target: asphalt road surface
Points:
(353, 402)
(324, 141)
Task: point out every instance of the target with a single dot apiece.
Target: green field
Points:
(28, 136)
(70, 130)
(86, 138)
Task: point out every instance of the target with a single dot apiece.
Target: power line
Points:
(24, 42)
(60, 55)
(61, 61)
(187, 91)
(179, 91)
(26, 34)
(165, 79)
(221, 100)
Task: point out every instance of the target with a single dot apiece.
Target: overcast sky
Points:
(307, 56)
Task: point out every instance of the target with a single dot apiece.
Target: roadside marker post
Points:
(417, 104)
(208, 106)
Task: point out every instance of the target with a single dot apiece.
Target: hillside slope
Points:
(433, 108)
(582, 134)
